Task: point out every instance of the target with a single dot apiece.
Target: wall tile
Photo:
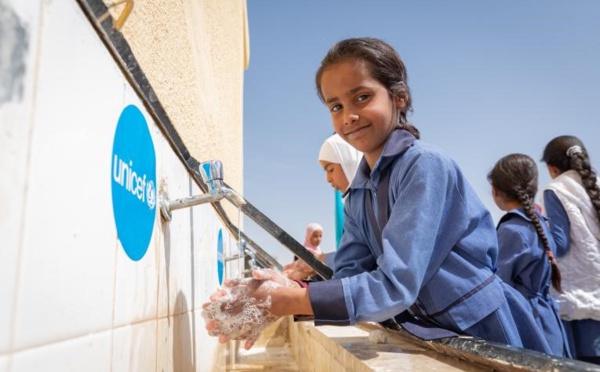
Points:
(175, 254)
(22, 21)
(4, 364)
(164, 345)
(136, 289)
(67, 271)
(89, 353)
(135, 347)
(235, 267)
(206, 227)
(180, 346)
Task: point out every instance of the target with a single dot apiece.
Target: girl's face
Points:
(335, 175)
(497, 196)
(316, 237)
(361, 108)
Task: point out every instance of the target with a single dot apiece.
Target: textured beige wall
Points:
(194, 54)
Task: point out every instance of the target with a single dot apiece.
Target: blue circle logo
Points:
(220, 258)
(133, 179)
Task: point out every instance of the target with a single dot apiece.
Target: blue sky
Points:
(488, 78)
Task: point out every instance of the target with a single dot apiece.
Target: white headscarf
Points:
(336, 150)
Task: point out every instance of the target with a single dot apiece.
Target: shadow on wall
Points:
(167, 249)
(182, 320)
(183, 344)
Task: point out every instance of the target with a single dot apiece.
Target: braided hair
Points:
(568, 152)
(516, 176)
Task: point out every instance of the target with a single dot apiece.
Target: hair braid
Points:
(568, 152)
(516, 176)
(527, 203)
(581, 163)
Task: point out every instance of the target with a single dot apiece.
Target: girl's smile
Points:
(355, 132)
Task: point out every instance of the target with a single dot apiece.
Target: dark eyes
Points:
(359, 99)
(362, 97)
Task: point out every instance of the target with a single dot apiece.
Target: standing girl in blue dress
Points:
(428, 250)
(525, 247)
(572, 203)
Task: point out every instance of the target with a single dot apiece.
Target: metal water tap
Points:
(212, 175)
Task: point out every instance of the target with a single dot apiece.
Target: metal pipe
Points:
(213, 196)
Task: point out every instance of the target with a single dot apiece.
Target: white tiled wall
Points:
(134, 347)
(3, 364)
(15, 124)
(72, 300)
(175, 258)
(90, 353)
(68, 254)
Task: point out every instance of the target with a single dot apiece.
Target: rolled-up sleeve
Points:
(328, 303)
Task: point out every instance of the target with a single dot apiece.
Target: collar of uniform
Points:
(521, 213)
(515, 212)
(397, 143)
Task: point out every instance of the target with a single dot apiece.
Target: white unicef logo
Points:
(125, 175)
(151, 194)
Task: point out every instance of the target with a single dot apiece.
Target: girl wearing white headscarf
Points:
(340, 162)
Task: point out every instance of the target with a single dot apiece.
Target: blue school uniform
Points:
(438, 256)
(523, 264)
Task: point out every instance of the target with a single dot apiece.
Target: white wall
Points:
(70, 297)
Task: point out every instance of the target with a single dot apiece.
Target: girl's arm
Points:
(428, 216)
(514, 253)
(291, 301)
(559, 222)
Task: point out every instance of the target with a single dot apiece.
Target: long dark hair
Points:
(568, 152)
(384, 64)
(516, 176)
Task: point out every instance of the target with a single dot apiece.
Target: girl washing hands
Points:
(429, 250)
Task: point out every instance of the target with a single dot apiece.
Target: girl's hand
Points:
(242, 308)
(299, 269)
(279, 278)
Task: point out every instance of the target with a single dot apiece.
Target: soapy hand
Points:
(242, 308)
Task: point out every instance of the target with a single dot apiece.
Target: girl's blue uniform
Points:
(523, 264)
(438, 257)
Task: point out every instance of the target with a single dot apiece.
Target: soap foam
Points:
(239, 316)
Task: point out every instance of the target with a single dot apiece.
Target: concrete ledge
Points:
(300, 346)
(329, 348)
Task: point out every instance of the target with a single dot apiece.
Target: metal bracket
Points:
(119, 22)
